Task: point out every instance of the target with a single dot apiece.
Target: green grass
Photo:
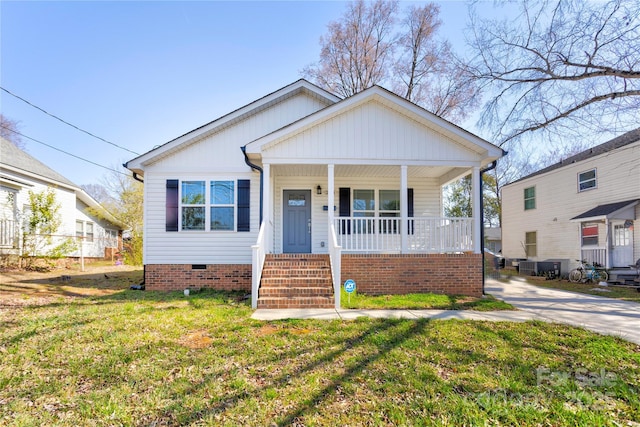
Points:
(422, 302)
(146, 358)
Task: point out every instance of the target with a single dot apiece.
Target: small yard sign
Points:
(349, 286)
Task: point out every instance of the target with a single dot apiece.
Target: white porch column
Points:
(330, 192)
(267, 201)
(404, 210)
(475, 209)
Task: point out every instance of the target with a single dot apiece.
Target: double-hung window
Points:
(529, 198)
(589, 234)
(587, 180)
(208, 210)
(364, 205)
(389, 207)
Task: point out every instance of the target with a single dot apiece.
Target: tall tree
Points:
(569, 67)
(364, 48)
(9, 130)
(356, 52)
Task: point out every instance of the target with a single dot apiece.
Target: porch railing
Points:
(595, 255)
(259, 253)
(335, 257)
(8, 233)
(425, 235)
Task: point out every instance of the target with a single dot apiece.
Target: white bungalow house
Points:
(95, 232)
(584, 207)
(300, 190)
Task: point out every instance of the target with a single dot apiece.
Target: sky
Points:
(139, 74)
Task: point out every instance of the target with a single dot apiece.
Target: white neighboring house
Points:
(96, 237)
(301, 176)
(584, 207)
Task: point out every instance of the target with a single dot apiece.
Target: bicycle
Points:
(588, 272)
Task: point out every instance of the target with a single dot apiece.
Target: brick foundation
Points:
(376, 274)
(175, 277)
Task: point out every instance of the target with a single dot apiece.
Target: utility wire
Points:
(65, 122)
(62, 151)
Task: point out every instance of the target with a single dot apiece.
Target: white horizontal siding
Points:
(427, 201)
(558, 200)
(195, 247)
(371, 132)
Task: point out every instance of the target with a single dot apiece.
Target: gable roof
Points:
(299, 86)
(389, 99)
(13, 159)
(618, 142)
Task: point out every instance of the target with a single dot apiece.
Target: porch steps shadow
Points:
(296, 281)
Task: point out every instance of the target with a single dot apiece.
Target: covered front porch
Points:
(380, 225)
(361, 181)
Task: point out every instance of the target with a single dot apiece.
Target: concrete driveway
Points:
(599, 314)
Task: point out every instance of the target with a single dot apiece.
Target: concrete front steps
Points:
(296, 281)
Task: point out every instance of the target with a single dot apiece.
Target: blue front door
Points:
(296, 234)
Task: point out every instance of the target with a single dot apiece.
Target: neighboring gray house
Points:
(95, 236)
(584, 207)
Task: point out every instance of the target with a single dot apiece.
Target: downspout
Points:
(259, 169)
(491, 167)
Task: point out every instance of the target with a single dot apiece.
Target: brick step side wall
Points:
(379, 274)
(296, 281)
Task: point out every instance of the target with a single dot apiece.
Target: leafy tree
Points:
(41, 223)
(362, 49)
(122, 196)
(458, 200)
(562, 67)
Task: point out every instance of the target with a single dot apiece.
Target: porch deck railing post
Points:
(259, 251)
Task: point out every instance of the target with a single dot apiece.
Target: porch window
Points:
(88, 232)
(79, 229)
(389, 207)
(531, 243)
(193, 205)
(111, 238)
(364, 205)
(529, 198)
(222, 205)
(589, 234)
(587, 180)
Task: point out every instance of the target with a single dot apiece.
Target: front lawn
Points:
(422, 302)
(144, 358)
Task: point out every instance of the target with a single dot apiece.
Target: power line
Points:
(62, 151)
(65, 122)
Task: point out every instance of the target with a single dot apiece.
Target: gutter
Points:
(134, 174)
(259, 169)
(491, 167)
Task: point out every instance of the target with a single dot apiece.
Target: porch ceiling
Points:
(361, 171)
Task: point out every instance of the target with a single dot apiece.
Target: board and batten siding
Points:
(371, 131)
(558, 200)
(196, 247)
(427, 201)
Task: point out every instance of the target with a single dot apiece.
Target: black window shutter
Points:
(410, 210)
(171, 205)
(243, 212)
(345, 209)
